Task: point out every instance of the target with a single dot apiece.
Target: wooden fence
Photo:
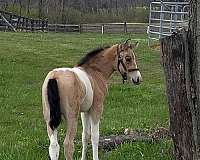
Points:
(10, 21)
(100, 28)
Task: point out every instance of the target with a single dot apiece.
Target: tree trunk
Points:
(20, 7)
(28, 7)
(173, 58)
(40, 7)
(181, 61)
(194, 50)
(63, 19)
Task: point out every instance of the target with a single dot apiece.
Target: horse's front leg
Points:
(95, 138)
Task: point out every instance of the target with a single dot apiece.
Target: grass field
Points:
(26, 58)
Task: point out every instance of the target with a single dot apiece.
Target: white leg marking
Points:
(54, 146)
(95, 139)
(85, 133)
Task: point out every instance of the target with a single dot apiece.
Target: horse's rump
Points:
(63, 93)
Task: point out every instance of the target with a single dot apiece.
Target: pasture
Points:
(26, 58)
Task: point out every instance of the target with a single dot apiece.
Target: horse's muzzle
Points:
(137, 81)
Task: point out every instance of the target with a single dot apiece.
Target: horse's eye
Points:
(128, 59)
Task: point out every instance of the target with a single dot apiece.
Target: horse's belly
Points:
(87, 103)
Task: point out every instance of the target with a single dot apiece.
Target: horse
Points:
(68, 92)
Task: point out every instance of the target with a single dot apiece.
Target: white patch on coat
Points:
(83, 76)
(54, 146)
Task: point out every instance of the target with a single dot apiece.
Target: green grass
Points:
(26, 58)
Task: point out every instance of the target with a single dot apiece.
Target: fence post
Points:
(102, 29)
(32, 24)
(175, 18)
(27, 24)
(149, 26)
(125, 27)
(18, 22)
(80, 28)
(161, 19)
(23, 23)
(42, 25)
(55, 27)
(46, 25)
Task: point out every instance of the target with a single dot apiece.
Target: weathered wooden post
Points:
(80, 28)
(11, 19)
(23, 23)
(27, 24)
(32, 25)
(181, 62)
(102, 29)
(43, 25)
(46, 25)
(125, 27)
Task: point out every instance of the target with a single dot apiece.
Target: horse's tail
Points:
(54, 103)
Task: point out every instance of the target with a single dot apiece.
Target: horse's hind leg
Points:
(51, 112)
(69, 138)
(52, 134)
(54, 146)
(86, 133)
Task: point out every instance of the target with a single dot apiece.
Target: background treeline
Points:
(80, 11)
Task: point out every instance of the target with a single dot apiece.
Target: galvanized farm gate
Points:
(165, 18)
(11, 21)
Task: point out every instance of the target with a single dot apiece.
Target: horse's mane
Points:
(91, 54)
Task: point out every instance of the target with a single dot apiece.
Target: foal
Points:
(69, 91)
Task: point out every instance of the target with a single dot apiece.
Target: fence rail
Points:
(100, 28)
(11, 21)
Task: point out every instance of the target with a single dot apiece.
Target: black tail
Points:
(54, 103)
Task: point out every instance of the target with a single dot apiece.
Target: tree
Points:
(194, 50)
(181, 61)
(28, 7)
(40, 7)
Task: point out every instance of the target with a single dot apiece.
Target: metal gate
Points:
(165, 18)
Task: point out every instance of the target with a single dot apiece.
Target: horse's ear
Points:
(134, 45)
(127, 41)
(126, 44)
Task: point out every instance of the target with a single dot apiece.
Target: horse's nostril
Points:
(138, 80)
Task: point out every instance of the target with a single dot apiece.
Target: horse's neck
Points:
(103, 65)
(102, 71)
(101, 68)
(101, 81)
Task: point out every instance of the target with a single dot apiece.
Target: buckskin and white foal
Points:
(68, 91)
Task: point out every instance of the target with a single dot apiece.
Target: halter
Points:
(120, 61)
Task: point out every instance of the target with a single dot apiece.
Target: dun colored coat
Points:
(68, 91)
